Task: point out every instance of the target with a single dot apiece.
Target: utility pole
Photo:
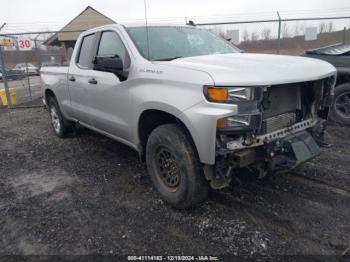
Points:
(2, 26)
(344, 36)
(37, 51)
(279, 32)
(4, 73)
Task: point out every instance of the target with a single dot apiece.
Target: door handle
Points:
(71, 78)
(92, 81)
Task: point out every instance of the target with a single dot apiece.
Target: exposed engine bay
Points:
(287, 132)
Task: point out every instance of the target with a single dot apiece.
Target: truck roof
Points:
(137, 24)
(143, 24)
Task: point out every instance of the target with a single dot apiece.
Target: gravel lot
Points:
(90, 195)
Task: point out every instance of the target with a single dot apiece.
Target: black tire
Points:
(173, 145)
(60, 125)
(340, 111)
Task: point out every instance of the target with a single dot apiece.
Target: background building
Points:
(87, 19)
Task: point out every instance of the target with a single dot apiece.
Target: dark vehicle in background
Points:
(12, 74)
(339, 56)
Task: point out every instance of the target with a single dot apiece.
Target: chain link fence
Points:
(300, 36)
(283, 36)
(23, 54)
(21, 58)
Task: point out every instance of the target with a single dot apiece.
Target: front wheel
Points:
(174, 167)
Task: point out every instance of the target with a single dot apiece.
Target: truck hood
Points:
(256, 69)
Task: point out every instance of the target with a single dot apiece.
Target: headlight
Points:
(234, 121)
(229, 94)
(239, 123)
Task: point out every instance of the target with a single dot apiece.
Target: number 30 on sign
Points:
(24, 44)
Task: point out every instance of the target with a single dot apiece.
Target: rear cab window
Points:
(84, 59)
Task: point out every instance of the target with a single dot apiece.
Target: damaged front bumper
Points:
(291, 151)
(276, 152)
(275, 135)
(243, 143)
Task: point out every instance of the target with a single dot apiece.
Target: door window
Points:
(111, 45)
(86, 47)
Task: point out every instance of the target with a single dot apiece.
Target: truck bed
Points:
(54, 70)
(55, 77)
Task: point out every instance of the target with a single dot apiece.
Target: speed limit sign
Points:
(24, 44)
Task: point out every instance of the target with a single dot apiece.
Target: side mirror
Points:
(113, 64)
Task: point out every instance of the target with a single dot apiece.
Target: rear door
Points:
(80, 72)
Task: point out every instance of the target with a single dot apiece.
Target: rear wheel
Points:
(174, 167)
(341, 105)
(60, 125)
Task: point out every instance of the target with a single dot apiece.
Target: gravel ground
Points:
(88, 195)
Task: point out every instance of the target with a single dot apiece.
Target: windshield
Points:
(169, 42)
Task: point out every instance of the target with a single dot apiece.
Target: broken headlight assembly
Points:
(248, 115)
(239, 123)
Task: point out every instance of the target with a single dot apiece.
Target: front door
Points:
(109, 94)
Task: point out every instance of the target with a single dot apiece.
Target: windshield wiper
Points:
(168, 59)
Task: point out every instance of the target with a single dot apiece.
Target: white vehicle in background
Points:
(46, 64)
(28, 69)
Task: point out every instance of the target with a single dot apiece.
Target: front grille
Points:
(278, 122)
(281, 99)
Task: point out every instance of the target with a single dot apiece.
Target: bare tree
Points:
(245, 36)
(322, 28)
(302, 28)
(330, 27)
(285, 30)
(297, 29)
(44, 36)
(254, 36)
(222, 34)
(266, 34)
(217, 30)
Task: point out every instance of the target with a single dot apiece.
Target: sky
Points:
(24, 15)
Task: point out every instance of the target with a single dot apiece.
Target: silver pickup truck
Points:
(193, 106)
